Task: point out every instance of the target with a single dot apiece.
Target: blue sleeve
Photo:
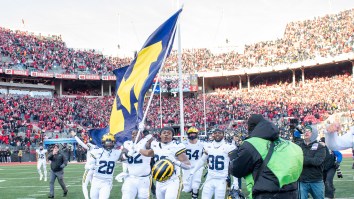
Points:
(338, 155)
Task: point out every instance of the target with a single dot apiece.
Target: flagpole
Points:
(205, 126)
(160, 107)
(180, 82)
(154, 88)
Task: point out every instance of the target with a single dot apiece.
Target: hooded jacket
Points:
(247, 160)
(314, 156)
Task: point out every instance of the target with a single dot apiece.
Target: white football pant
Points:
(100, 188)
(213, 186)
(136, 186)
(194, 182)
(168, 190)
(39, 165)
(86, 179)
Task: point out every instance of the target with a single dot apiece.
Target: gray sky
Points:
(102, 24)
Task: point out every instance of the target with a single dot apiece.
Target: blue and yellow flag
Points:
(97, 134)
(127, 110)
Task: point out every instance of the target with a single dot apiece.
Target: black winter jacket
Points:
(330, 160)
(246, 159)
(59, 161)
(314, 156)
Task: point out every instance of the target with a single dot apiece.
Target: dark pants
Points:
(328, 180)
(283, 195)
(60, 176)
(20, 159)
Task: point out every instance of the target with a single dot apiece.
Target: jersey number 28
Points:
(106, 167)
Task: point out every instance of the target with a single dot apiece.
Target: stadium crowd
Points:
(49, 53)
(312, 101)
(324, 36)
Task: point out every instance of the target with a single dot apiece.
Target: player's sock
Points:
(195, 193)
(45, 175)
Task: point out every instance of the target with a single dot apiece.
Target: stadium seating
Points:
(325, 36)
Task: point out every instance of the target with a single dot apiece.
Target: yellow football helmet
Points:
(162, 170)
(192, 130)
(108, 141)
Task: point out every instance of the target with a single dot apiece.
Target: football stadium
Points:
(177, 99)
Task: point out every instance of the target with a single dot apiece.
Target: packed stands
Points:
(325, 36)
(26, 119)
(312, 101)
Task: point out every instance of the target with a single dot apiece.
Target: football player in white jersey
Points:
(194, 151)
(103, 162)
(136, 172)
(170, 149)
(87, 177)
(41, 162)
(217, 156)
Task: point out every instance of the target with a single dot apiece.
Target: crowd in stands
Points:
(311, 102)
(324, 36)
(49, 53)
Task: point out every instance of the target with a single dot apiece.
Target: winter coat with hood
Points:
(247, 160)
(314, 156)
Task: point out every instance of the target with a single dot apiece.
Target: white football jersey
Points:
(91, 148)
(194, 151)
(161, 151)
(105, 162)
(218, 158)
(137, 165)
(41, 154)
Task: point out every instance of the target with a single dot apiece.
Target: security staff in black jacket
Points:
(58, 162)
(311, 179)
(271, 182)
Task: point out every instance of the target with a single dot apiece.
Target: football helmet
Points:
(192, 130)
(108, 142)
(162, 170)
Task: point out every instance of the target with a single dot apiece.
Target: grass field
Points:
(22, 181)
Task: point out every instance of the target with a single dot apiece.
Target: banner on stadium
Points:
(65, 76)
(89, 77)
(16, 72)
(108, 78)
(193, 82)
(42, 74)
(157, 88)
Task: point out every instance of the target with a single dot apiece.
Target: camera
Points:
(293, 123)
